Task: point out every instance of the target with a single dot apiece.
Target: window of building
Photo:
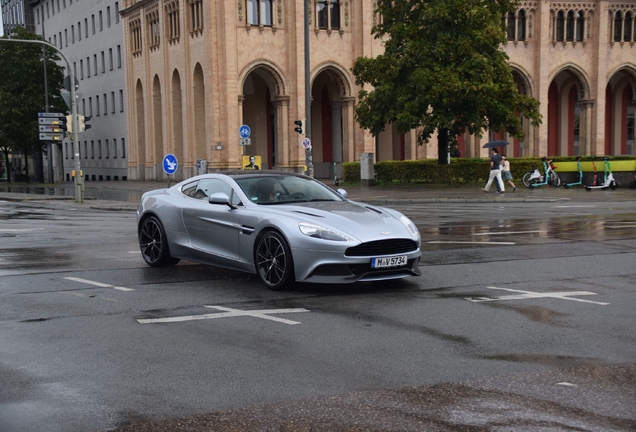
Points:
(110, 58)
(569, 30)
(152, 18)
(521, 25)
(79, 31)
(97, 110)
(112, 102)
(322, 14)
(560, 26)
(116, 12)
(95, 63)
(259, 13)
(196, 16)
(105, 104)
(103, 62)
(72, 34)
(510, 27)
(114, 148)
(118, 56)
(90, 106)
(101, 21)
(83, 106)
(93, 24)
(334, 14)
(99, 149)
(85, 149)
(106, 149)
(173, 26)
(123, 147)
(135, 40)
(65, 37)
(92, 149)
(618, 27)
(627, 33)
(580, 26)
(85, 27)
(121, 100)
(108, 16)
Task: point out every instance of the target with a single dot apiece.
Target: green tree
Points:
(22, 92)
(443, 69)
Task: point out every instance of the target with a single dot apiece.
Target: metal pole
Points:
(49, 144)
(309, 151)
(79, 196)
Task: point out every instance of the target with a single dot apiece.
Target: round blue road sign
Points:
(245, 131)
(170, 164)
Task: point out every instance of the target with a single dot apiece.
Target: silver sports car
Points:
(282, 226)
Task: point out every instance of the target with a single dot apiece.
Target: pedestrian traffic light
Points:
(69, 123)
(83, 123)
(300, 126)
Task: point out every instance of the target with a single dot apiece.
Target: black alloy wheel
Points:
(274, 264)
(154, 245)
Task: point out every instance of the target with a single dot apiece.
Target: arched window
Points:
(559, 26)
(511, 26)
(322, 14)
(521, 25)
(628, 27)
(618, 27)
(580, 26)
(569, 32)
(334, 7)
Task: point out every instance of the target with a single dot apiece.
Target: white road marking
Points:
(508, 232)
(99, 284)
(566, 384)
(471, 242)
(264, 314)
(620, 226)
(563, 295)
(575, 206)
(21, 230)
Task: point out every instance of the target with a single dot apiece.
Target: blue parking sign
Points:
(170, 164)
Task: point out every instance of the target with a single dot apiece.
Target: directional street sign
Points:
(49, 121)
(47, 114)
(50, 129)
(51, 137)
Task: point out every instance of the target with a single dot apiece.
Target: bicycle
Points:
(535, 179)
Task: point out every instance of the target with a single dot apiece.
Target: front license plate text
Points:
(388, 262)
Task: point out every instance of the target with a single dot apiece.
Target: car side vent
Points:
(308, 214)
(382, 247)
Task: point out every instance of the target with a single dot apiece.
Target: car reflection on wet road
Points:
(522, 319)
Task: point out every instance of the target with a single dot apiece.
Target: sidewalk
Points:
(125, 195)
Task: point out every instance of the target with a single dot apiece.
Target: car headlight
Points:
(321, 232)
(410, 226)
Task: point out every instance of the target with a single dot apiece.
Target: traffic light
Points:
(83, 123)
(69, 123)
(300, 126)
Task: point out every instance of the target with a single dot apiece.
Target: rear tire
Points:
(273, 261)
(613, 185)
(154, 244)
(555, 179)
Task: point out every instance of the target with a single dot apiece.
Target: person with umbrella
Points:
(495, 171)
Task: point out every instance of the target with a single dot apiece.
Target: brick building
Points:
(197, 70)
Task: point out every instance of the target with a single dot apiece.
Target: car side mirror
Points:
(220, 198)
(342, 192)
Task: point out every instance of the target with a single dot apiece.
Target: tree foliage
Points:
(443, 68)
(22, 91)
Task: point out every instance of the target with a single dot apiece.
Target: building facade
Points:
(196, 71)
(90, 35)
(16, 13)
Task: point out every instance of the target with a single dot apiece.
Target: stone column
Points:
(282, 131)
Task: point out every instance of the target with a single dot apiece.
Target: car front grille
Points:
(382, 247)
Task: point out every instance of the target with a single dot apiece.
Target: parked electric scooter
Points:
(609, 181)
(535, 179)
(580, 182)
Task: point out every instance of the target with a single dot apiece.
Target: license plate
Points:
(388, 262)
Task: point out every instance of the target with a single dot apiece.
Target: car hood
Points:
(356, 219)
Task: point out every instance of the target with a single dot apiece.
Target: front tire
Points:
(556, 180)
(154, 244)
(273, 261)
(526, 179)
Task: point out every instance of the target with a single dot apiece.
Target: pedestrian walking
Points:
(506, 175)
(495, 171)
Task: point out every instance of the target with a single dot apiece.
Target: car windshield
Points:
(282, 189)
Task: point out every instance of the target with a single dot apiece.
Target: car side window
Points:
(190, 189)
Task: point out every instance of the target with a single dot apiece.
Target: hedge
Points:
(459, 171)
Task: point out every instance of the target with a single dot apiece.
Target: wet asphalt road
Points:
(523, 320)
